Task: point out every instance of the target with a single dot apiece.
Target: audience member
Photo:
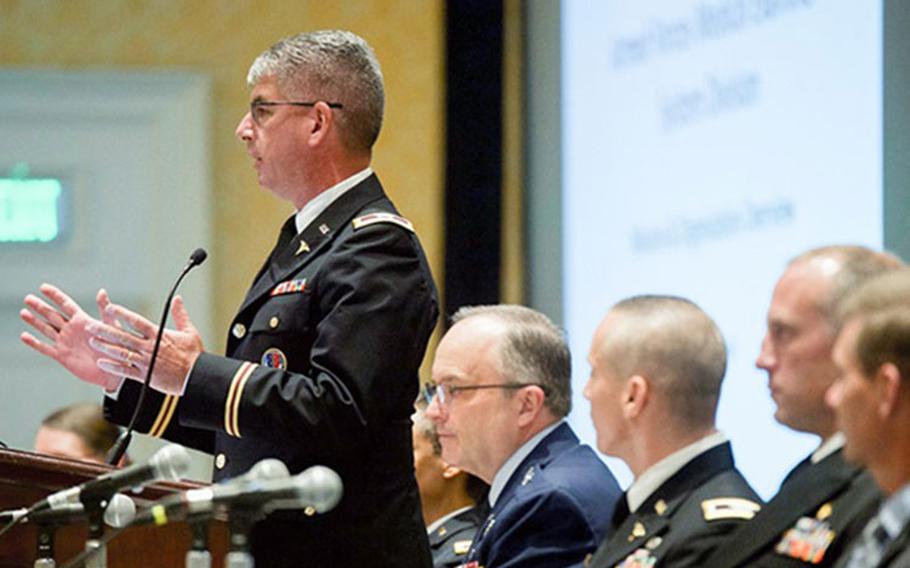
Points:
(451, 499)
(657, 363)
(78, 431)
(871, 400)
(501, 390)
(823, 502)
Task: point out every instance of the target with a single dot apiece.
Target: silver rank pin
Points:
(529, 475)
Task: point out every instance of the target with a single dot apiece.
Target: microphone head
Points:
(198, 257)
(319, 487)
(269, 468)
(170, 462)
(120, 511)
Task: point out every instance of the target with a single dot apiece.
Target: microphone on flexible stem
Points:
(119, 513)
(116, 453)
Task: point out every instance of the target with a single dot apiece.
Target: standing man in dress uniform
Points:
(823, 502)
(871, 399)
(323, 354)
(501, 389)
(453, 501)
(657, 363)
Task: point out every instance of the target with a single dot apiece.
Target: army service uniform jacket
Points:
(684, 519)
(553, 511)
(818, 511)
(451, 541)
(321, 368)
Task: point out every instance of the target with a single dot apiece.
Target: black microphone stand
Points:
(116, 453)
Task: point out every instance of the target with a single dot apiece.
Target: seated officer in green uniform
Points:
(871, 399)
(657, 363)
(824, 501)
(451, 499)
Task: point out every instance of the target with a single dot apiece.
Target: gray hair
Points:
(674, 344)
(332, 66)
(857, 264)
(533, 351)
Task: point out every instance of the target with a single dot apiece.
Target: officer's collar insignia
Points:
(324, 229)
(289, 287)
(807, 541)
(275, 358)
(638, 531)
(729, 508)
(824, 511)
(442, 531)
(529, 475)
(302, 248)
(660, 507)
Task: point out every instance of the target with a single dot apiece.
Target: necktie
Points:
(288, 232)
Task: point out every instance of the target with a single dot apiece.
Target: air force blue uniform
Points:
(553, 511)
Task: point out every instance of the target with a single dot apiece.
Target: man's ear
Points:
(450, 471)
(530, 403)
(888, 379)
(636, 395)
(322, 124)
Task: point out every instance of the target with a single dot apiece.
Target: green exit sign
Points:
(30, 210)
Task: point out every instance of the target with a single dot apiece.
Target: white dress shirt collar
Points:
(656, 475)
(321, 202)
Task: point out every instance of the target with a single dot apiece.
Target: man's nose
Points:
(244, 129)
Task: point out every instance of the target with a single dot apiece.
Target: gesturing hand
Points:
(65, 325)
(127, 354)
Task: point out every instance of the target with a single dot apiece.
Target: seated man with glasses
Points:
(500, 393)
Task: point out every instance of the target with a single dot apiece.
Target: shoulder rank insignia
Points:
(289, 287)
(371, 218)
(808, 540)
(461, 547)
(729, 508)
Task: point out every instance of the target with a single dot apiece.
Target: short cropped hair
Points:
(533, 351)
(856, 265)
(674, 344)
(883, 306)
(85, 420)
(332, 66)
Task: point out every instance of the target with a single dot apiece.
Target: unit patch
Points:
(371, 218)
(274, 358)
(289, 287)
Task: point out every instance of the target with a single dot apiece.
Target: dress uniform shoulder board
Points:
(722, 508)
(372, 218)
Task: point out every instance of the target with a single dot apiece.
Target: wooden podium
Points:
(26, 477)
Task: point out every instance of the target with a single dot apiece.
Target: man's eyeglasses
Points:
(260, 110)
(444, 393)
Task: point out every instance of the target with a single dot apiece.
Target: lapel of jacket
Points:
(655, 513)
(555, 443)
(306, 246)
(810, 487)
